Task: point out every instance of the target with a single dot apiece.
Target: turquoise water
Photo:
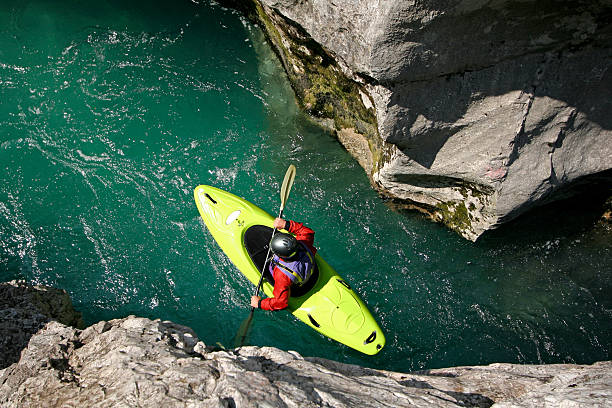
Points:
(110, 116)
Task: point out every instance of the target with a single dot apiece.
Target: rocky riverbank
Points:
(141, 362)
(474, 112)
(24, 310)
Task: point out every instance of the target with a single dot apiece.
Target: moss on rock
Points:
(455, 215)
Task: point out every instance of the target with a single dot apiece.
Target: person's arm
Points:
(301, 232)
(281, 293)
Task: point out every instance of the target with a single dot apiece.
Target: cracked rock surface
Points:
(141, 362)
(134, 362)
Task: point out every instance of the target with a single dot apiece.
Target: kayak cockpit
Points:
(256, 241)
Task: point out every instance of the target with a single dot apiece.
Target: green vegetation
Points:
(455, 215)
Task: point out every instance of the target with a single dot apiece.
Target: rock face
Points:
(474, 110)
(25, 309)
(141, 362)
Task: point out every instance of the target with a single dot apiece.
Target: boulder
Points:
(475, 111)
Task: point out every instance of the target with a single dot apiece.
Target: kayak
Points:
(326, 302)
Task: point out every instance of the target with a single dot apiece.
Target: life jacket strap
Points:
(284, 268)
(299, 279)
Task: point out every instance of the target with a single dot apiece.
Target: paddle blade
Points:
(243, 331)
(287, 184)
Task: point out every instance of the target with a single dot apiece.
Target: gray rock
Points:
(24, 309)
(484, 109)
(141, 362)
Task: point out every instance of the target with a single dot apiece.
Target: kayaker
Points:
(292, 264)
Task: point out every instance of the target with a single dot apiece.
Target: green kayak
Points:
(325, 302)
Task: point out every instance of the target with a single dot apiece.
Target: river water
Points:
(110, 116)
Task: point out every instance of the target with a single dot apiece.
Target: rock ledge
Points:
(141, 362)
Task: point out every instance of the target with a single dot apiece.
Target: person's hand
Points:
(255, 301)
(279, 223)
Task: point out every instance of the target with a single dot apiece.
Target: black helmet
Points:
(284, 245)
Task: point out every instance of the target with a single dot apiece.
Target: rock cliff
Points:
(141, 362)
(475, 111)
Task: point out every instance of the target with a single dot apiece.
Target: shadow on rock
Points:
(24, 310)
(463, 399)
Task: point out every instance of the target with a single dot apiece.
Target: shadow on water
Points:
(570, 236)
(536, 290)
(581, 214)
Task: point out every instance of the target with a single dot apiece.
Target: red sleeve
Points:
(303, 233)
(281, 292)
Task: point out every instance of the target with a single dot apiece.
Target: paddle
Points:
(284, 195)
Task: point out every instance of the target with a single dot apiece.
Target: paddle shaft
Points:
(245, 326)
(284, 195)
(280, 215)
